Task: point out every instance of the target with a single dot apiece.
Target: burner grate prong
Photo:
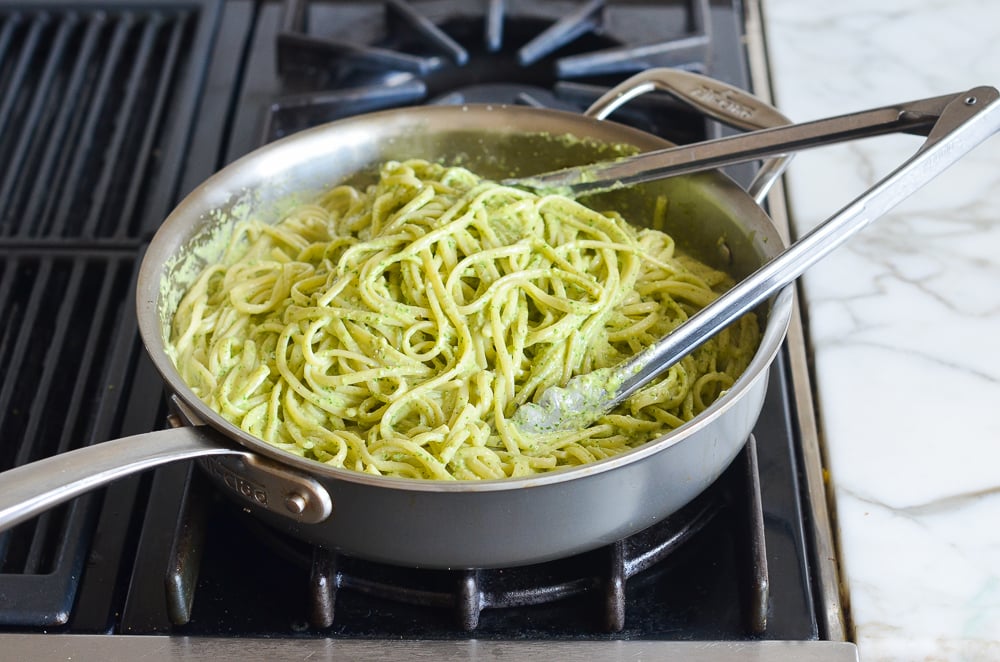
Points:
(335, 104)
(526, 99)
(579, 93)
(293, 18)
(614, 587)
(323, 588)
(469, 599)
(297, 50)
(400, 10)
(494, 25)
(586, 19)
(757, 571)
(688, 53)
(692, 52)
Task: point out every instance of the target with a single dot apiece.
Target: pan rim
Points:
(150, 278)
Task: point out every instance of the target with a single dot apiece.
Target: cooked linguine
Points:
(395, 330)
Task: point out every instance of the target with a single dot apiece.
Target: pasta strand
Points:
(395, 329)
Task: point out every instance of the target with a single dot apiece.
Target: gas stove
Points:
(110, 111)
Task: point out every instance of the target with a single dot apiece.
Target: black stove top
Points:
(110, 111)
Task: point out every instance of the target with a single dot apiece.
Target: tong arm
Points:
(960, 124)
(916, 117)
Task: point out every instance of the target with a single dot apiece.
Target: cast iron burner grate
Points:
(205, 75)
(545, 53)
(597, 578)
(94, 106)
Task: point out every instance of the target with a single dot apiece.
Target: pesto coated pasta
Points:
(395, 330)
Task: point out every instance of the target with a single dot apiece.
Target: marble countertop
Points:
(903, 323)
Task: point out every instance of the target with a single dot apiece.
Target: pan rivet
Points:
(725, 252)
(295, 503)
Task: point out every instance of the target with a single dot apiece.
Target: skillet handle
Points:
(720, 101)
(29, 490)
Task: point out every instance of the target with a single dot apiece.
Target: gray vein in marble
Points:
(912, 354)
(939, 506)
(884, 253)
(924, 284)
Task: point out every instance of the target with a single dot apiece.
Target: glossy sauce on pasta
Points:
(396, 329)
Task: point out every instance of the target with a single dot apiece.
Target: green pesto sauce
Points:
(573, 407)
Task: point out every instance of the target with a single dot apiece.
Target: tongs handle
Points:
(712, 98)
(961, 122)
(917, 117)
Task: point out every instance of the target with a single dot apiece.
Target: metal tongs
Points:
(953, 124)
(916, 117)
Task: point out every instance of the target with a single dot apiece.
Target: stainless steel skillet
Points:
(434, 523)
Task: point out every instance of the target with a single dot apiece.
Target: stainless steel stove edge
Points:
(101, 648)
(832, 598)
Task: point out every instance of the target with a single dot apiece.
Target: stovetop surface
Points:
(110, 112)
